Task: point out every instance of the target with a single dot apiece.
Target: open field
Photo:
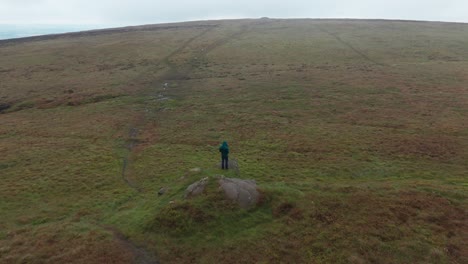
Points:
(356, 132)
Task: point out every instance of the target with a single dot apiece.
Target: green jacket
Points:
(224, 149)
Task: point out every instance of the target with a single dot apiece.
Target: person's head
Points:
(225, 143)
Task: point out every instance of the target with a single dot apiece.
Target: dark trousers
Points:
(224, 163)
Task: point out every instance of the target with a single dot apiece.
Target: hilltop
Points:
(354, 130)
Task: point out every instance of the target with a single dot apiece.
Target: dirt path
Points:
(131, 143)
(172, 70)
(360, 53)
(142, 256)
(244, 29)
(166, 59)
(132, 140)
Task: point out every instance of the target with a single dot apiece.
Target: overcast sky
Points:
(135, 12)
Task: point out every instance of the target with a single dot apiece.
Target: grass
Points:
(354, 131)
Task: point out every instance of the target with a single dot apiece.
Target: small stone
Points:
(195, 170)
(162, 191)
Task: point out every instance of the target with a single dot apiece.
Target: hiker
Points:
(224, 149)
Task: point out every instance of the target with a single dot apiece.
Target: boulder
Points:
(243, 192)
(196, 188)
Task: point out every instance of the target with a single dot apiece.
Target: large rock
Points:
(244, 192)
(196, 188)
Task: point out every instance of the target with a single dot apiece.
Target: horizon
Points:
(8, 30)
(137, 12)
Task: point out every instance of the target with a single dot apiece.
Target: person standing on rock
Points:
(224, 149)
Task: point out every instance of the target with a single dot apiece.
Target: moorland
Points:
(356, 132)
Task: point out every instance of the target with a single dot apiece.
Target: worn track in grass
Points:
(351, 47)
(173, 68)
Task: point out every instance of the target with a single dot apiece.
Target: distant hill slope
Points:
(354, 130)
(10, 31)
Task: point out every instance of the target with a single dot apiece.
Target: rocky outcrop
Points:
(243, 192)
(196, 188)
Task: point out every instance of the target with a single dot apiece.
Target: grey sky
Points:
(134, 12)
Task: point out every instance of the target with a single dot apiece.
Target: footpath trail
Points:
(351, 47)
(142, 255)
(132, 140)
(171, 69)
